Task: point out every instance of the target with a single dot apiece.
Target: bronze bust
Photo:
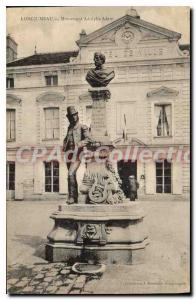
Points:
(99, 77)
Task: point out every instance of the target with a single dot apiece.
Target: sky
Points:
(62, 25)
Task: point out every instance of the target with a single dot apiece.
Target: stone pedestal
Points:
(99, 131)
(98, 125)
(99, 117)
(111, 234)
(104, 227)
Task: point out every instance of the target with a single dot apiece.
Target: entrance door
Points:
(125, 169)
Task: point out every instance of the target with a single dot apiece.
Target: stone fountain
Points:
(104, 226)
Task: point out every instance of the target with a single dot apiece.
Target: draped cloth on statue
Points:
(99, 78)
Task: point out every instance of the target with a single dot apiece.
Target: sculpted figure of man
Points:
(77, 137)
(99, 77)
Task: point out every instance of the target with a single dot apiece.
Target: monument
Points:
(103, 226)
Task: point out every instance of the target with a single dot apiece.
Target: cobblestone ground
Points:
(49, 278)
(166, 267)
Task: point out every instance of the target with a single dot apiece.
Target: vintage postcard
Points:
(98, 150)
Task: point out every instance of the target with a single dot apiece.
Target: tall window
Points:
(51, 123)
(11, 124)
(10, 176)
(163, 177)
(51, 80)
(52, 176)
(9, 82)
(163, 120)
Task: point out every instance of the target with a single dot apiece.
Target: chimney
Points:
(11, 49)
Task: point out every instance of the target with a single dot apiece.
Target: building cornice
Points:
(63, 67)
(84, 84)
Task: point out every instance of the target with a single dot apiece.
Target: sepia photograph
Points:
(98, 129)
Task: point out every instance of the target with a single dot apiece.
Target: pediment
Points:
(50, 96)
(132, 142)
(137, 142)
(162, 91)
(13, 99)
(125, 31)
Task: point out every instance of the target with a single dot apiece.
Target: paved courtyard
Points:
(166, 269)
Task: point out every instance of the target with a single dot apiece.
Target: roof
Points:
(44, 59)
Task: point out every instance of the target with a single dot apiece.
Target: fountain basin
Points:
(100, 233)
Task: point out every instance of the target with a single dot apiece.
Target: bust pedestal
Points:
(99, 98)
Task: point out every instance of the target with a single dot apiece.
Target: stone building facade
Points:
(149, 107)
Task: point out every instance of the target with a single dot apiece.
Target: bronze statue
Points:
(77, 137)
(99, 77)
